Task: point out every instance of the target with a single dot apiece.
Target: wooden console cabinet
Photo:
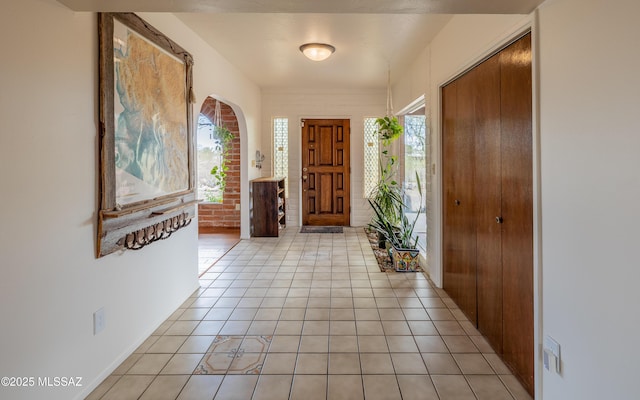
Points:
(267, 208)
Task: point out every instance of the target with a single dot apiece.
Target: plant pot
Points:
(381, 241)
(405, 260)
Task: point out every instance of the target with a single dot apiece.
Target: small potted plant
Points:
(404, 249)
(389, 129)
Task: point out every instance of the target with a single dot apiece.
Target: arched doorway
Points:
(218, 181)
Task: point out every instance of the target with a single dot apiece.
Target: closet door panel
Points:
(487, 200)
(450, 219)
(458, 152)
(517, 208)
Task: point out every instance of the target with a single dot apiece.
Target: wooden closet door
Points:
(487, 199)
(517, 208)
(458, 175)
(488, 202)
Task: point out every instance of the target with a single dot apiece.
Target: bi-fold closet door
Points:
(487, 198)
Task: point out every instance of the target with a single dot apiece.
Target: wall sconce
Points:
(259, 159)
(317, 51)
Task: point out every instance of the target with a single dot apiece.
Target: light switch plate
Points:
(552, 346)
(551, 355)
(98, 321)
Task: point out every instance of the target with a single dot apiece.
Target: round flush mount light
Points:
(317, 51)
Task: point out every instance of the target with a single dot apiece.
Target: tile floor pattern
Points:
(310, 316)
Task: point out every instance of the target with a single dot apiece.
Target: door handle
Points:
(457, 202)
(304, 177)
(499, 220)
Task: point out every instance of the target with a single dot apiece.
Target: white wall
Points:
(296, 104)
(51, 282)
(588, 180)
(590, 146)
(413, 82)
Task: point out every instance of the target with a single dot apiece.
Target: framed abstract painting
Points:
(146, 142)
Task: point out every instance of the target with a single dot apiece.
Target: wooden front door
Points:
(325, 172)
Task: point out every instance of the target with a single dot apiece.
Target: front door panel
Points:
(325, 172)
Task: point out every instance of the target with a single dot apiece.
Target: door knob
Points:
(457, 202)
(499, 220)
(304, 177)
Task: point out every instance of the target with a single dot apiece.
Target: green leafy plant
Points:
(398, 231)
(213, 196)
(387, 193)
(389, 129)
(223, 140)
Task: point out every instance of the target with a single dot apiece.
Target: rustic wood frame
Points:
(137, 224)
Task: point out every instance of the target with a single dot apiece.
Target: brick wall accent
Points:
(212, 217)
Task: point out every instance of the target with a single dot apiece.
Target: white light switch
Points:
(98, 321)
(551, 355)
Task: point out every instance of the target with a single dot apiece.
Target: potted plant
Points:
(389, 129)
(403, 244)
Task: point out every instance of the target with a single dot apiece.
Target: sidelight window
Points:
(281, 150)
(371, 156)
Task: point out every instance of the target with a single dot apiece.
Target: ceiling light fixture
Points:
(317, 51)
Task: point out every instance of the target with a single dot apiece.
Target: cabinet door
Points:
(459, 237)
(517, 208)
(265, 208)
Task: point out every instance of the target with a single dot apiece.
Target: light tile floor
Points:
(310, 316)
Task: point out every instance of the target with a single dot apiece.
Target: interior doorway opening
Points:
(218, 181)
(218, 175)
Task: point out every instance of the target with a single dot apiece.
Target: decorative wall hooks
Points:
(159, 231)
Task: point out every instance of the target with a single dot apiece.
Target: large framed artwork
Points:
(146, 145)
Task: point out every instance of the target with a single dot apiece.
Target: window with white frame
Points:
(210, 154)
(414, 162)
(281, 150)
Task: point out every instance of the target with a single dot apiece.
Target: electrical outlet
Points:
(98, 321)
